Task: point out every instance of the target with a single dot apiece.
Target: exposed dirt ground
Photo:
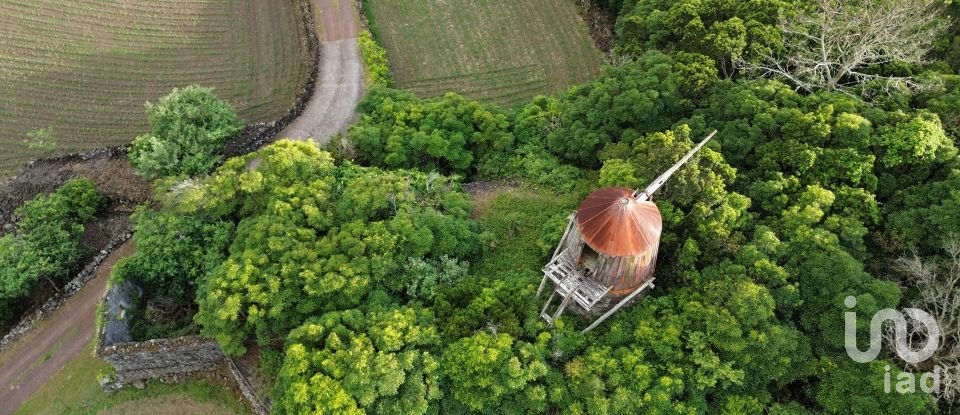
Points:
(61, 335)
(482, 192)
(109, 169)
(340, 82)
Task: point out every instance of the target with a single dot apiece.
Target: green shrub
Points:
(47, 245)
(375, 63)
(174, 253)
(188, 129)
(449, 134)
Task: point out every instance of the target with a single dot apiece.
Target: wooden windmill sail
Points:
(608, 253)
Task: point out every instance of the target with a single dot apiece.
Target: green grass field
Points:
(83, 69)
(501, 51)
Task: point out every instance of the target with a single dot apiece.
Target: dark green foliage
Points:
(847, 387)
(725, 30)
(626, 102)
(174, 253)
(946, 103)
(188, 129)
(923, 216)
(449, 134)
(350, 362)
(47, 244)
(315, 237)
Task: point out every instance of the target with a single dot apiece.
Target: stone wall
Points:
(162, 358)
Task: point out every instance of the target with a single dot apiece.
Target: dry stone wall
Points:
(162, 358)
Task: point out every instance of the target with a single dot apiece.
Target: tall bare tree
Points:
(937, 287)
(830, 46)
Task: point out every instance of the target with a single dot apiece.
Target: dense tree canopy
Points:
(726, 30)
(448, 134)
(351, 362)
(315, 237)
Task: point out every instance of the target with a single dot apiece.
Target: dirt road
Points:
(340, 81)
(55, 341)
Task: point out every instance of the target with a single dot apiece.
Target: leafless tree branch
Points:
(830, 48)
(937, 285)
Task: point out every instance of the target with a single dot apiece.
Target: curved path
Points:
(339, 85)
(42, 352)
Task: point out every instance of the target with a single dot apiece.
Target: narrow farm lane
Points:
(40, 354)
(340, 81)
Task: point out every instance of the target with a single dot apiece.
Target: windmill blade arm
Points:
(646, 193)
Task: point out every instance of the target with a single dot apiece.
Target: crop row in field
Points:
(501, 51)
(83, 69)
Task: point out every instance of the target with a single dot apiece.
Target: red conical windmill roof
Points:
(613, 223)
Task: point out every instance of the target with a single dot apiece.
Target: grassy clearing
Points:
(82, 69)
(516, 217)
(74, 390)
(501, 51)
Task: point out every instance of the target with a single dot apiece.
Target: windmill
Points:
(608, 252)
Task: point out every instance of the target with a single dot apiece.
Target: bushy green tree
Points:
(494, 373)
(450, 134)
(47, 245)
(174, 252)
(188, 129)
(625, 102)
(351, 362)
(315, 237)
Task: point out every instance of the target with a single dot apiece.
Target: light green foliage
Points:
(375, 62)
(315, 237)
(188, 129)
(918, 140)
(425, 277)
(351, 362)
(449, 134)
(494, 373)
(725, 30)
(174, 252)
(41, 140)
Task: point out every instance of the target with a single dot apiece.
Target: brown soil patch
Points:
(483, 192)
